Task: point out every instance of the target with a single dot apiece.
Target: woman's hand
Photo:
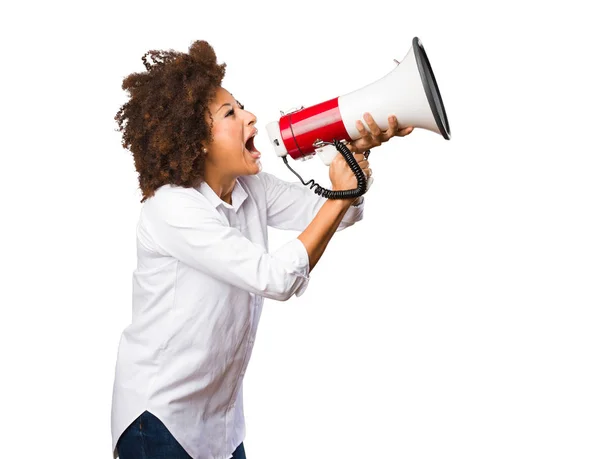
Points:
(342, 177)
(376, 137)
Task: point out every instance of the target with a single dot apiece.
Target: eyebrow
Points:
(224, 106)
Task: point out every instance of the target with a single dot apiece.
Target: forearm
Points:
(320, 231)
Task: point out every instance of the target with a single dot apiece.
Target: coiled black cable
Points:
(354, 167)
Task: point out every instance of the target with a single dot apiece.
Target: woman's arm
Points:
(320, 230)
(292, 206)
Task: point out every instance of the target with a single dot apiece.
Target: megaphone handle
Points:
(328, 152)
(335, 194)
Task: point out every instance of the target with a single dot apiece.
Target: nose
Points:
(251, 118)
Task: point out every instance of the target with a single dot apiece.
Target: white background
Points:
(459, 319)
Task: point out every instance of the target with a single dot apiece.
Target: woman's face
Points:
(231, 152)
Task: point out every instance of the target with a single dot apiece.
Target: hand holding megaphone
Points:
(372, 135)
(369, 138)
(409, 93)
(342, 175)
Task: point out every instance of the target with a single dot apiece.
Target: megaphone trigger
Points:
(327, 153)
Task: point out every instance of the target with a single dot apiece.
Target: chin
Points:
(256, 169)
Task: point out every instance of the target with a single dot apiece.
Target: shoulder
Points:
(260, 180)
(265, 181)
(173, 194)
(171, 200)
(260, 184)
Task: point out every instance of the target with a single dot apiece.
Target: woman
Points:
(203, 266)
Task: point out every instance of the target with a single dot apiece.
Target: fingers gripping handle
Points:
(328, 152)
(361, 178)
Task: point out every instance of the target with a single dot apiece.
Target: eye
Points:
(229, 113)
(240, 105)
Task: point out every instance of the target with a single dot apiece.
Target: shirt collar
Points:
(238, 196)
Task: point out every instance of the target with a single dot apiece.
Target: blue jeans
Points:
(148, 438)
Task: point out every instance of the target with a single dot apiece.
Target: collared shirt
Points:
(202, 274)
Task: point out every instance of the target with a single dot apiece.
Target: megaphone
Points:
(410, 92)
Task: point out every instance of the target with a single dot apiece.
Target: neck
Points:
(222, 186)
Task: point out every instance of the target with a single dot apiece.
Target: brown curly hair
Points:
(164, 122)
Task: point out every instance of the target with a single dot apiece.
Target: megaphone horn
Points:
(410, 92)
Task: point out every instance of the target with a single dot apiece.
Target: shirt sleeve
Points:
(292, 205)
(194, 233)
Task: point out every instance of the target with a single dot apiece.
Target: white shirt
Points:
(203, 271)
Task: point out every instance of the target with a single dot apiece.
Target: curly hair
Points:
(164, 122)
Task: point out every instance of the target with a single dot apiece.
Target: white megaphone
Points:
(410, 92)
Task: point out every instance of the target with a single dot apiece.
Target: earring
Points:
(204, 150)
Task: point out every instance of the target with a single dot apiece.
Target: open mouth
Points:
(251, 148)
